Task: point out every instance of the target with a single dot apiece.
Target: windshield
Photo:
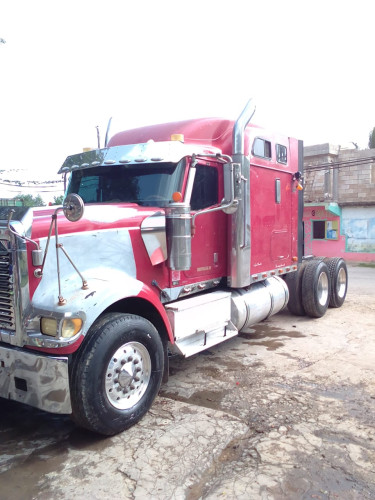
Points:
(146, 184)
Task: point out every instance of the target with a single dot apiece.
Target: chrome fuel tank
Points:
(258, 302)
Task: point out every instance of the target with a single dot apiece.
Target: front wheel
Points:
(117, 373)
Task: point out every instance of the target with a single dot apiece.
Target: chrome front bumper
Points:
(37, 380)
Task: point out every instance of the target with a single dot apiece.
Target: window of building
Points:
(319, 229)
(325, 229)
(262, 148)
(205, 189)
(281, 154)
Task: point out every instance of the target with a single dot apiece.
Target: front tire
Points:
(116, 374)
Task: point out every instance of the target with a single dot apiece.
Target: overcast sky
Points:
(67, 66)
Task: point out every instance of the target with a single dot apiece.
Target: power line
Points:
(339, 164)
(20, 184)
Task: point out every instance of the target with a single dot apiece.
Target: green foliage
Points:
(371, 139)
(58, 200)
(29, 200)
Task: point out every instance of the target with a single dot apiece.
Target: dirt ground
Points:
(284, 411)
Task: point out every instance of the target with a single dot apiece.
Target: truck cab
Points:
(171, 239)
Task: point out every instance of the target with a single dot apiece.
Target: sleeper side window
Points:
(281, 154)
(262, 148)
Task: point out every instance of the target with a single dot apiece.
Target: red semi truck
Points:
(171, 239)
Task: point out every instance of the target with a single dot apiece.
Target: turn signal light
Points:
(70, 327)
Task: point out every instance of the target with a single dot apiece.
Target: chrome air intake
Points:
(178, 224)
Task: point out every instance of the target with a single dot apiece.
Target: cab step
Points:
(200, 322)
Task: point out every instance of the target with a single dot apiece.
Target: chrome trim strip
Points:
(258, 277)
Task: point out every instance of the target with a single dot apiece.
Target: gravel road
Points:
(284, 411)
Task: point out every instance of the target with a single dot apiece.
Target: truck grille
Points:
(6, 289)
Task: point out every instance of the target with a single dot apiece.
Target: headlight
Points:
(48, 326)
(70, 327)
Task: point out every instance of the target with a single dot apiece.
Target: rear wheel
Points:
(117, 373)
(339, 280)
(315, 288)
(294, 282)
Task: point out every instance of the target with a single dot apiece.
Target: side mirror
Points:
(73, 207)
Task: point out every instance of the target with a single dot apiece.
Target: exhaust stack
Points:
(239, 224)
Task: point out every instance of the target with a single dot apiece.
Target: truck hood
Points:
(95, 217)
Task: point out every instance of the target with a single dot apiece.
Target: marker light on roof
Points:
(177, 137)
(176, 196)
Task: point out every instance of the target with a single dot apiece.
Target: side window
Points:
(205, 189)
(281, 154)
(262, 148)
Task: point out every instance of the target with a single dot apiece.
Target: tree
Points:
(29, 200)
(58, 200)
(371, 139)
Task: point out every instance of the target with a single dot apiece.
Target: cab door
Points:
(209, 243)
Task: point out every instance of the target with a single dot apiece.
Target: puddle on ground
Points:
(270, 336)
(207, 399)
(261, 332)
(270, 345)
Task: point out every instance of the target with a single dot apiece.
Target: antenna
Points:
(106, 134)
(98, 135)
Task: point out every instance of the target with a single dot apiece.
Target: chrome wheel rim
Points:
(341, 283)
(128, 375)
(323, 289)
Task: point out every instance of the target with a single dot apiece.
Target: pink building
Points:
(339, 211)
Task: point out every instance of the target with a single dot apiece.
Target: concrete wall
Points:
(345, 176)
(356, 183)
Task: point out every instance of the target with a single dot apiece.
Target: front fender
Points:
(107, 287)
(106, 261)
(149, 295)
